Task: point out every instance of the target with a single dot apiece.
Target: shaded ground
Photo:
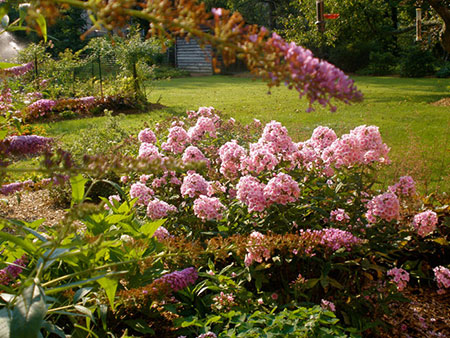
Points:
(427, 315)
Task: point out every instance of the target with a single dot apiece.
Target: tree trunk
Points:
(444, 12)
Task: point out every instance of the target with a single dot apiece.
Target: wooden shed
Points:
(193, 58)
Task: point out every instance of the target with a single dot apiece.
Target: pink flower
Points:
(442, 277)
(157, 209)
(400, 277)
(256, 249)
(260, 158)
(142, 192)
(161, 234)
(176, 141)
(193, 155)
(111, 200)
(322, 137)
(231, 155)
(327, 305)
(204, 125)
(425, 222)
(282, 189)
(274, 296)
(372, 147)
(277, 137)
(147, 136)
(345, 151)
(149, 152)
(194, 185)
(339, 216)
(385, 206)
(217, 12)
(208, 208)
(405, 187)
(250, 191)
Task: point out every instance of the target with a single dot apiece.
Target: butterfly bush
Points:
(400, 277)
(17, 70)
(179, 280)
(12, 271)
(425, 223)
(25, 145)
(41, 107)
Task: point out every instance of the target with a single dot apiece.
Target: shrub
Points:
(416, 62)
(444, 71)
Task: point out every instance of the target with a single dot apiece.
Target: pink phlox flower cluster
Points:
(322, 137)
(18, 70)
(41, 107)
(385, 206)
(12, 271)
(179, 280)
(250, 191)
(204, 125)
(161, 234)
(400, 277)
(372, 147)
(223, 302)
(404, 187)
(144, 178)
(305, 155)
(27, 144)
(256, 249)
(194, 185)
(344, 151)
(327, 305)
(159, 182)
(193, 155)
(157, 209)
(425, 222)
(210, 334)
(203, 111)
(318, 79)
(260, 159)
(339, 216)
(208, 208)
(336, 238)
(111, 200)
(442, 277)
(282, 189)
(147, 136)
(176, 141)
(142, 192)
(150, 152)
(231, 155)
(277, 137)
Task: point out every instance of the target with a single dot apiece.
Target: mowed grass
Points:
(417, 131)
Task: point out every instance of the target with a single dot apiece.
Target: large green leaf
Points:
(110, 287)
(78, 182)
(42, 23)
(29, 312)
(150, 227)
(24, 244)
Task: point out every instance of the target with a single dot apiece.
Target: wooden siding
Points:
(191, 57)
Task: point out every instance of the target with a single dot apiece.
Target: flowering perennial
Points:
(25, 145)
(405, 187)
(256, 249)
(400, 277)
(17, 70)
(208, 208)
(231, 154)
(142, 192)
(194, 185)
(193, 155)
(147, 136)
(176, 141)
(385, 206)
(179, 280)
(442, 277)
(157, 209)
(282, 189)
(339, 216)
(250, 191)
(425, 223)
(12, 271)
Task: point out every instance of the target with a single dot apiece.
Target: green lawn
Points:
(7, 65)
(417, 131)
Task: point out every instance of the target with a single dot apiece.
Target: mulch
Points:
(442, 102)
(426, 315)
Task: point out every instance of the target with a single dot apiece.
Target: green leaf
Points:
(24, 244)
(81, 293)
(78, 182)
(140, 325)
(110, 287)
(53, 329)
(40, 20)
(150, 227)
(29, 312)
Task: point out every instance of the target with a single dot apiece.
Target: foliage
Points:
(417, 63)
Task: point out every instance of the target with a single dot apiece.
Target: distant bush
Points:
(417, 63)
(164, 72)
(380, 63)
(444, 71)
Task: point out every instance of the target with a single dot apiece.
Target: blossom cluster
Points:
(208, 208)
(404, 187)
(157, 209)
(256, 249)
(327, 305)
(400, 277)
(17, 70)
(11, 188)
(12, 271)
(26, 145)
(385, 206)
(179, 280)
(41, 107)
(223, 302)
(425, 223)
(331, 238)
(5, 100)
(339, 216)
(442, 277)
